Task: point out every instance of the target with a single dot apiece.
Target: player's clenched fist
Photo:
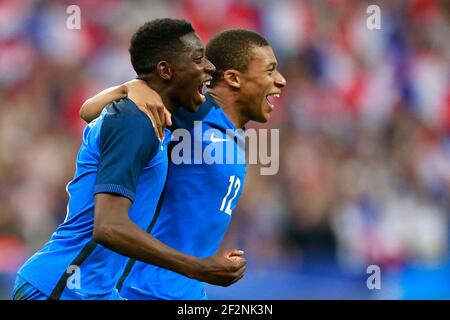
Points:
(223, 268)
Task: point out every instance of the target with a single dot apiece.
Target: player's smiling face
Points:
(261, 84)
(192, 71)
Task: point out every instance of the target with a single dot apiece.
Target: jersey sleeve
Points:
(127, 143)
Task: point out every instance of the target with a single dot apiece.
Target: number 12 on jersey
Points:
(235, 185)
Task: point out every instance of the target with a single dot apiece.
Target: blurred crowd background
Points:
(364, 137)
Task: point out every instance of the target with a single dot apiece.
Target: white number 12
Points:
(235, 183)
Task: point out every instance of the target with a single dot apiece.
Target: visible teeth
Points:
(207, 83)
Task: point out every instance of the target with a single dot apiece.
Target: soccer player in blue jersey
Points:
(120, 174)
(200, 198)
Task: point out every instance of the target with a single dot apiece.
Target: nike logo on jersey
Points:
(214, 139)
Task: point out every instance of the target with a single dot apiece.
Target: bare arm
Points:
(93, 106)
(145, 98)
(114, 230)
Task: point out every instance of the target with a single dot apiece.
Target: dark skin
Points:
(134, 90)
(177, 83)
(191, 70)
(114, 230)
(185, 76)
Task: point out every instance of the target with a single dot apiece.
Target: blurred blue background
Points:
(364, 127)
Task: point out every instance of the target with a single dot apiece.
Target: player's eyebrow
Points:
(272, 66)
(199, 50)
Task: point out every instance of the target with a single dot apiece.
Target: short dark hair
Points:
(230, 49)
(157, 40)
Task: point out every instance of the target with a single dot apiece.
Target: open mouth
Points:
(203, 88)
(271, 98)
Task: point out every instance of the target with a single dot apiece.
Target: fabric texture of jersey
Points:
(198, 201)
(119, 154)
(23, 290)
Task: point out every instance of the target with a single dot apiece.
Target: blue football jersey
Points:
(119, 154)
(198, 201)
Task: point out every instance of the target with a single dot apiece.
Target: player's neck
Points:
(164, 91)
(229, 104)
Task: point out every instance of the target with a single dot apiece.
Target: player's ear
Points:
(164, 70)
(232, 78)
